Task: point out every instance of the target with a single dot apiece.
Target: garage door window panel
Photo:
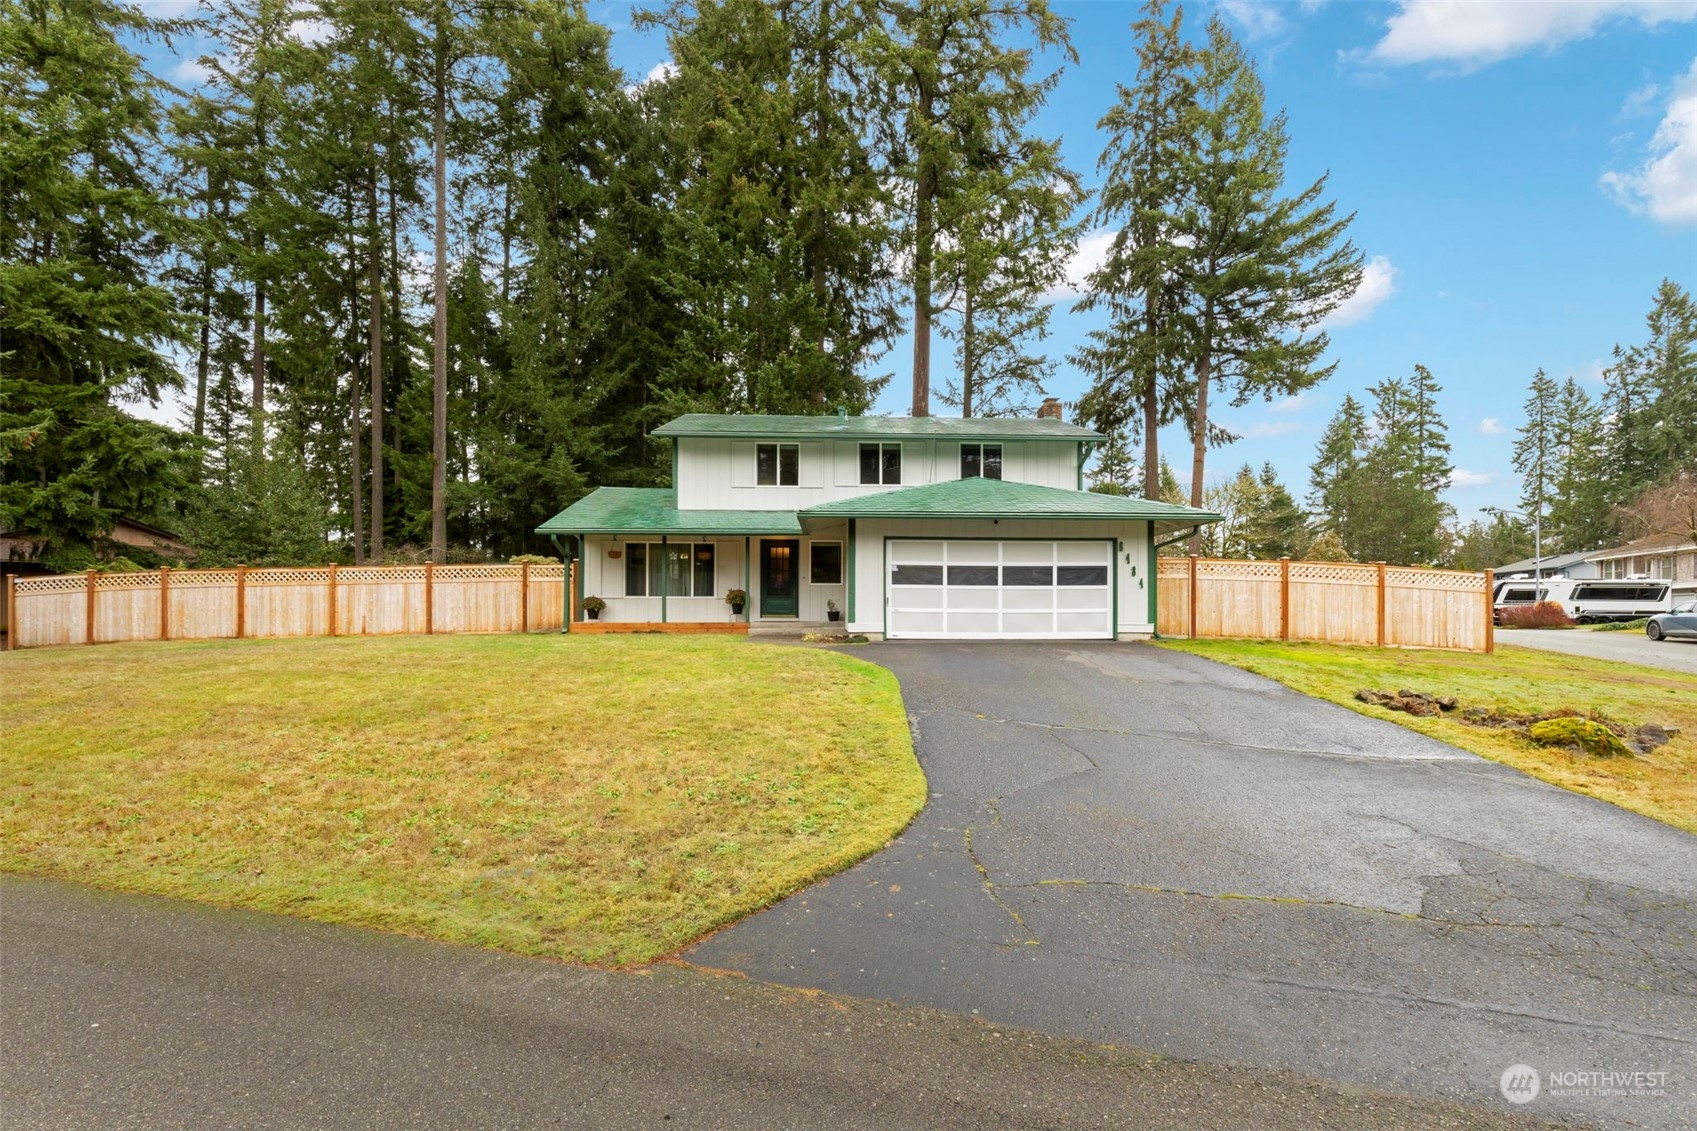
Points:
(1081, 575)
(1028, 575)
(974, 575)
(917, 575)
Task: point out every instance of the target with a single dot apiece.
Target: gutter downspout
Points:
(566, 589)
(1154, 607)
(665, 577)
(848, 614)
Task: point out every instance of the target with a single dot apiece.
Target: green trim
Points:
(1154, 607)
(848, 575)
(674, 464)
(566, 593)
(1177, 538)
(665, 577)
(1113, 568)
(747, 594)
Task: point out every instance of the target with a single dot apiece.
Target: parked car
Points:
(1680, 621)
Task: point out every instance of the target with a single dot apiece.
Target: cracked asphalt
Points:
(1145, 848)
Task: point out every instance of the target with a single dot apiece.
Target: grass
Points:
(604, 799)
(1622, 625)
(1513, 681)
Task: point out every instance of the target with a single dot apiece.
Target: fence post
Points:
(1490, 613)
(429, 598)
(11, 613)
(524, 597)
(1284, 598)
(164, 602)
(330, 596)
(88, 626)
(1192, 596)
(241, 601)
(1381, 632)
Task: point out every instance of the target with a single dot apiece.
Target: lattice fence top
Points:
(479, 572)
(379, 575)
(1172, 567)
(76, 583)
(1333, 571)
(104, 582)
(1238, 570)
(202, 578)
(1436, 579)
(288, 576)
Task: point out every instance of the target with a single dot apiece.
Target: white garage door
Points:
(966, 590)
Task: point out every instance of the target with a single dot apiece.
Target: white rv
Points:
(1586, 600)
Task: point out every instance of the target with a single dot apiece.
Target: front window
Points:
(827, 566)
(777, 465)
(881, 463)
(981, 461)
(677, 569)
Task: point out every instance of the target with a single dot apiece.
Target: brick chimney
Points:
(1051, 408)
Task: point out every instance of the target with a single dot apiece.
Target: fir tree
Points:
(1115, 470)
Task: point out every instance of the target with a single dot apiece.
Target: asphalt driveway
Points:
(1145, 848)
(1628, 647)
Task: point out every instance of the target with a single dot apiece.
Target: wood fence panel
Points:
(1334, 602)
(1434, 609)
(380, 600)
(288, 602)
(126, 606)
(1172, 596)
(478, 598)
(1238, 598)
(49, 611)
(203, 604)
(547, 597)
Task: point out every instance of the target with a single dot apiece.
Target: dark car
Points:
(1678, 622)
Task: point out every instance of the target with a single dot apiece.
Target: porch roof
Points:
(654, 510)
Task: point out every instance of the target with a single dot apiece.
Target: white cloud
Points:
(192, 72)
(1461, 477)
(1091, 253)
(1378, 283)
(1476, 32)
(1491, 426)
(661, 71)
(1308, 398)
(1259, 18)
(1262, 429)
(311, 31)
(1665, 185)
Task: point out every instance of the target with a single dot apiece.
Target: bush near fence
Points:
(1333, 602)
(98, 608)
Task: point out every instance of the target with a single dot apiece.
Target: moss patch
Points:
(1584, 734)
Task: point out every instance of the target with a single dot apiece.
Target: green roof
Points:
(998, 498)
(751, 427)
(654, 510)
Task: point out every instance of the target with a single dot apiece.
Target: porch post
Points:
(848, 615)
(665, 573)
(1154, 598)
(748, 594)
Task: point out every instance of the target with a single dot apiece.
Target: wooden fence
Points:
(203, 604)
(1337, 602)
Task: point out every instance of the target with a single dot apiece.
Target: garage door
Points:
(968, 590)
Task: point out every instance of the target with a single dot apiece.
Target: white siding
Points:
(718, 474)
(1131, 558)
(604, 577)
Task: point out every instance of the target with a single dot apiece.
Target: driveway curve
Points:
(1145, 848)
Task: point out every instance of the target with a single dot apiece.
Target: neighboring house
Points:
(1578, 566)
(1656, 557)
(20, 550)
(931, 527)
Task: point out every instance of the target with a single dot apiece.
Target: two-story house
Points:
(930, 527)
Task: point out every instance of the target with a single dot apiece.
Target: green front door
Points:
(780, 586)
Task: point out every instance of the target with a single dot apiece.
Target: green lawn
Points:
(1514, 681)
(605, 799)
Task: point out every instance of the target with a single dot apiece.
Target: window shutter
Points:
(742, 464)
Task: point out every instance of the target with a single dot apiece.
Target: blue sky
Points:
(1523, 175)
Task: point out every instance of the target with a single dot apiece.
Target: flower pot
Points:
(736, 610)
(594, 614)
(834, 614)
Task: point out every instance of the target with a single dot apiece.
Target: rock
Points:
(1446, 702)
(1368, 695)
(1405, 693)
(1650, 736)
(1475, 713)
(1591, 737)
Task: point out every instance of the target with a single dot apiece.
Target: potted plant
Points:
(593, 606)
(736, 599)
(832, 612)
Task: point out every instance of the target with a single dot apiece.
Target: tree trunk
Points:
(967, 369)
(1199, 453)
(821, 114)
(375, 255)
(439, 397)
(922, 239)
(356, 480)
(204, 357)
(1151, 400)
(395, 312)
(256, 405)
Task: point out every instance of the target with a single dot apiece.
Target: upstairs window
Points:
(981, 461)
(777, 465)
(881, 463)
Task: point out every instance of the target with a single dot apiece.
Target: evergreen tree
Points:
(1279, 528)
(948, 75)
(1668, 360)
(1536, 454)
(1332, 476)
(1115, 470)
(1579, 515)
(1260, 270)
(1136, 379)
(85, 317)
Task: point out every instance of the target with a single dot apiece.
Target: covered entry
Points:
(1014, 589)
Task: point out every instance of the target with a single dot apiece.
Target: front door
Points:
(779, 586)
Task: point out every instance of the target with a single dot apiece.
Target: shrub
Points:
(1587, 734)
(1624, 625)
(533, 559)
(1544, 614)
